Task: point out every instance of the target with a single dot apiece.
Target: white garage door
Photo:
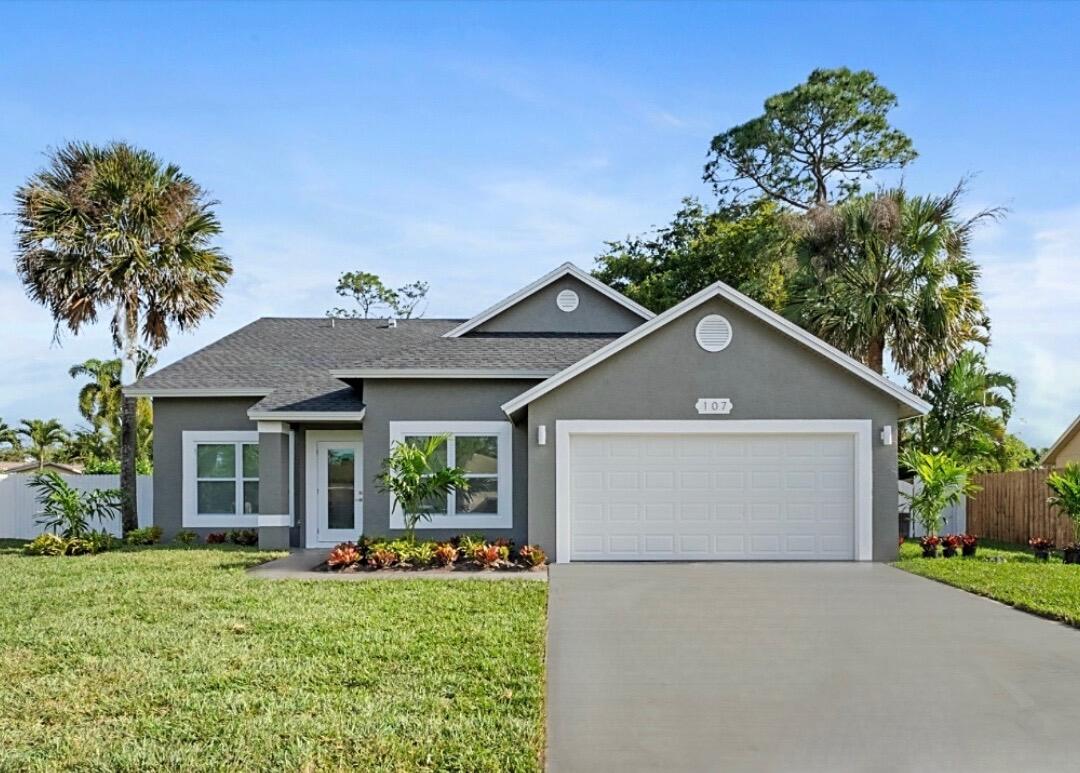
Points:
(711, 497)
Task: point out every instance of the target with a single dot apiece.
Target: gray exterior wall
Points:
(766, 374)
(596, 313)
(173, 415)
(439, 400)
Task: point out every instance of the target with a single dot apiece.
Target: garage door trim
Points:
(859, 429)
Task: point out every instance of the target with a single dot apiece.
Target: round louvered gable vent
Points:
(567, 300)
(713, 333)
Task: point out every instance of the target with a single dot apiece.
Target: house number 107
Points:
(721, 405)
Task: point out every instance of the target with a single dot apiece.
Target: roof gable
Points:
(1064, 440)
(910, 403)
(561, 273)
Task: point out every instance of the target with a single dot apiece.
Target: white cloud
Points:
(1032, 288)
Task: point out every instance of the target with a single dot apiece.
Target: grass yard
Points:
(1007, 573)
(175, 659)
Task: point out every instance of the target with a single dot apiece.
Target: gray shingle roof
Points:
(292, 358)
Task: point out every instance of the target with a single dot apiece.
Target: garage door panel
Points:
(712, 497)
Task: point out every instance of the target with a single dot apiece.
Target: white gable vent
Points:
(567, 300)
(713, 333)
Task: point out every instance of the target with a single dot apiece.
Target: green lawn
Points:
(175, 659)
(1007, 573)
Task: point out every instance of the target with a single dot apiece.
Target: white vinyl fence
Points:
(955, 517)
(19, 508)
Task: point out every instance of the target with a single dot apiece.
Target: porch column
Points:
(275, 517)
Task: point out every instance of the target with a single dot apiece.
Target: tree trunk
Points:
(129, 431)
(875, 355)
(128, 480)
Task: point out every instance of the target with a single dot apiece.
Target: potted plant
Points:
(414, 479)
(1065, 496)
(968, 544)
(941, 482)
(1042, 547)
(950, 544)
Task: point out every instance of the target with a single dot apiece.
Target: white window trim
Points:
(191, 518)
(503, 430)
(859, 429)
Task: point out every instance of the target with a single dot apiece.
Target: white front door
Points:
(335, 487)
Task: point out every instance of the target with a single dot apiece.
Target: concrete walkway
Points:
(800, 667)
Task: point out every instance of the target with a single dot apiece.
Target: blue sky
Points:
(478, 146)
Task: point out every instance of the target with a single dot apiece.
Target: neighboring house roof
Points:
(1066, 438)
(913, 404)
(563, 270)
(32, 466)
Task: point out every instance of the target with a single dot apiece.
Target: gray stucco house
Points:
(716, 430)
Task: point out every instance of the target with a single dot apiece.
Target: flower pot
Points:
(968, 550)
(948, 552)
(1042, 555)
(1072, 555)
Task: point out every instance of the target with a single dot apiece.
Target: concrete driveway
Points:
(802, 667)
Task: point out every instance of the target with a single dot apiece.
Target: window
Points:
(221, 479)
(482, 450)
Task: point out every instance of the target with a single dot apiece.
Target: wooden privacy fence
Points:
(19, 507)
(1012, 508)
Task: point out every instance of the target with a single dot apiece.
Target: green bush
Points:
(67, 511)
(100, 541)
(148, 535)
(46, 544)
(186, 538)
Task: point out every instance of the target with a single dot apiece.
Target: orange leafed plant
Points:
(445, 554)
(345, 554)
(489, 555)
(382, 558)
(532, 555)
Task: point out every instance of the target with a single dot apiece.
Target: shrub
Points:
(1041, 543)
(68, 511)
(532, 555)
(77, 547)
(929, 546)
(216, 538)
(246, 537)
(186, 537)
(343, 555)
(413, 477)
(45, 544)
(416, 554)
(1065, 496)
(148, 535)
(381, 558)
(100, 541)
(489, 556)
(468, 543)
(445, 554)
(950, 543)
(503, 542)
(942, 482)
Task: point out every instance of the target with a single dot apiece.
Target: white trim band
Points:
(442, 373)
(275, 520)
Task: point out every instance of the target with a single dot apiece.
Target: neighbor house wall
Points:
(1068, 453)
(765, 373)
(439, 400)
(172, 416)
(538, 313)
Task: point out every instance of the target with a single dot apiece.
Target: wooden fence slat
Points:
(1012, 507)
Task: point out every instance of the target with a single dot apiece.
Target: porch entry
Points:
(335, 486)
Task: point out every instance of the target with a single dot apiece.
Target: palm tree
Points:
(892, 271)
(100, 400)
(113, 229)
(43, 437)
(971, 408)
(10, 437)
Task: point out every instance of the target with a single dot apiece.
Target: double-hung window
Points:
(221, 479)
(482, 450)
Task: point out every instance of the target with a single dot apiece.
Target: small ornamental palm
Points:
(1065, 485)
(68, 511)
(944, 482)
(410, 476)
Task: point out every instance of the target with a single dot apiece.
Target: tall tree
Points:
(43, 438)
(813, 145)
(101, 398)
(971, 406)
(8, 435)
(892, 271)
(370, 294)
(753, 252)
(115, 229)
